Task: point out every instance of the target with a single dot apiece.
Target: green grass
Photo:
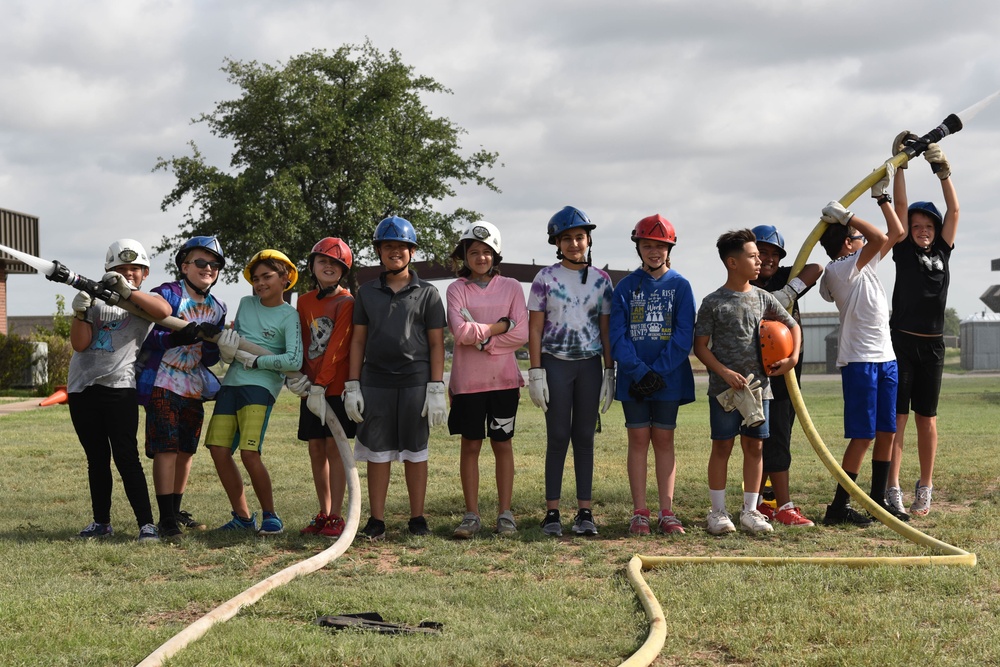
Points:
(529, 600)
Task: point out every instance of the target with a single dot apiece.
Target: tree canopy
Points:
(327, 145)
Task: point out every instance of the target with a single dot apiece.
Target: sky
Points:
(716, 115)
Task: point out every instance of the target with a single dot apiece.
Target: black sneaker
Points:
(418, 526)
(185, 520)
(896, 512)
(583, 523)
(845, 515)
(551, 525)
(374, 530)
(169, 531)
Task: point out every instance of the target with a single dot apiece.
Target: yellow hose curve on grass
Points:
(952, 555)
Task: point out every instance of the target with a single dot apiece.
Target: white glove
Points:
(354, 402)
(788, 294)
(939, 163)
(228, 342)
(834, 212)
(316, 401)
(608, 389)
(435, 407)
(81, 302)
(538, 388)
(745, 400)
(899, 143)
(881, 188)
(299, 386)
(245, 358)
(466, 315)
(117, 283)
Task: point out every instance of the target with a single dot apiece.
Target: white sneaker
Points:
(921, 500)
(894, 499)
(720, 523)
(754, 522)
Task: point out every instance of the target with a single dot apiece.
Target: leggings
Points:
(106, 421)
(574, 394)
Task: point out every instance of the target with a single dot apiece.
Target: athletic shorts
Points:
(173, 423)
(310, 427)
(393, 429)
(921, 364)
(651, 414)
(240, 418)
(487, 413)
(727, 425)
(869, 398)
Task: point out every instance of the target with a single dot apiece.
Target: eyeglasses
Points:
(855, 237)
(204, 263)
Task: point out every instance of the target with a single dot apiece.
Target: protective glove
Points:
(728, 400)
(248, 360)
(435, 407)
(81, 303)
(538, 388)
(316, 401)
(650, 383)
(751, 406)
(881, 188)
(900, 142)
(354, 402)
(186, 336)
(788, 294)
(939, 163)
(608, 389)
(117, 283)
(834, 212)
(208, 331)
(299, 386)
(229, 343)
(466, 315)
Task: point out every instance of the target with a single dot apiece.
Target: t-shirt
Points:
(326, 333)
(864, 310)
(109, 361)
(921, 291)
(572, 310)
(732, 321)
(179, 367)
(276, 329)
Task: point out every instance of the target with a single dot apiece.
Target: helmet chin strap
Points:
(326, 291)
(198, 290)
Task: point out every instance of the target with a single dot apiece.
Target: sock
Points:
(880, 476)
(177, 502)
(841, 497)
(750, 501)
(718, 497)
(787, 506)
(165, 503)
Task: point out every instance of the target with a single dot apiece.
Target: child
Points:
(919, 300)
(569, 310)
(101, 386)
(251, 386)
(174, 380)
(777, 453)
(397, 366)
(864, 355)
(325, 315)
(652, 330)
(488, 318)
(729, 318)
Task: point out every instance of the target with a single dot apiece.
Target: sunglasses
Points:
(855, 237)
(204, 263)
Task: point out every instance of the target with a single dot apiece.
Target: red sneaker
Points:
(640, 523)
(768, 511)
(670, 524)
(315, 526)
(334, 526)
(792, 517)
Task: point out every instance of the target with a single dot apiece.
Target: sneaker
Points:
(754, 522)
(894, 498)
(669, 524)
(271, 524)
(471, 524)
(899, 514)
(316, 525)
(720, 523)
(767, 511)
(97, 530)
(639, 525)
(551, 525)
(845, 515)
(583, 522)
(505, 523)
(334, 526)
(791, 516)
(239, 523)
(185, 520)
(374, 530)
(922, 500)
(418, 526)
(149, 533)
(169, 531)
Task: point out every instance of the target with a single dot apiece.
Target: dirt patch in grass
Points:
(191, 613)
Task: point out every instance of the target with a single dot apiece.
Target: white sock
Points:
(787, 506)
(718, 499)
(750, 501)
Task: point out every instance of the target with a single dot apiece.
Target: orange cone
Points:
(59, 397)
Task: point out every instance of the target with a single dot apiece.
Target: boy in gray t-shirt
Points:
(726, 340)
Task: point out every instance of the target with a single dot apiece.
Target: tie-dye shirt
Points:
(178, 370)
(572, 310)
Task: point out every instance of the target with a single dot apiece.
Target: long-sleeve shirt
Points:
(276, 329)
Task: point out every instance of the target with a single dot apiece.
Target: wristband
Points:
(508, 322)
(884, 199)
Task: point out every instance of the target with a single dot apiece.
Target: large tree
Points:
(327, 145)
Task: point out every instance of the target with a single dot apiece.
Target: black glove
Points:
(207, 330)
(186, 336)
(649, 384)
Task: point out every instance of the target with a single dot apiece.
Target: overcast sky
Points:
(716, 115)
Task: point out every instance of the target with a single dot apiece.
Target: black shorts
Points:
(310, 427)
(921, 363)
(486, 413)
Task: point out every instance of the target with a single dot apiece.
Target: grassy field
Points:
(529, 600)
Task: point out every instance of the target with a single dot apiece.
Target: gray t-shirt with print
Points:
(109, 361)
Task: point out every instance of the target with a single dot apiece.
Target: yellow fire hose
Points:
(951, 555)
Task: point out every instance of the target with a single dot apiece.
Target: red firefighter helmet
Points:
(775, 343)
(333, 248)
(655, 228)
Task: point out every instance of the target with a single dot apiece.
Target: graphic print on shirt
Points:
(320, 330)
(930, 263)
(102, 341)
(651, 316)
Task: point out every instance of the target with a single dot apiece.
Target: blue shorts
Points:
(727, 425)
(869, 398)
(651, 414)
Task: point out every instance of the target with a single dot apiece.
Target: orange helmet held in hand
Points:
(775, 343)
